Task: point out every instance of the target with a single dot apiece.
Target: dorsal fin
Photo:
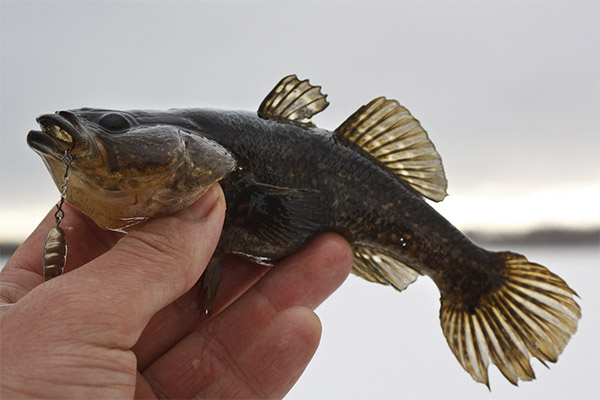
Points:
(389, 133)
(380, 266)
(293, 100)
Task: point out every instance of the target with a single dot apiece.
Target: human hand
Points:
(123, 322)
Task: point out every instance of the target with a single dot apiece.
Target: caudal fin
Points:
(532, 315)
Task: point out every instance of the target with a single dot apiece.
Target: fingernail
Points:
(202, 207)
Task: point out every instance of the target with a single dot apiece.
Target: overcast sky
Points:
(508, 91)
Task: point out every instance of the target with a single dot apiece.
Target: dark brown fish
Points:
(286, 180)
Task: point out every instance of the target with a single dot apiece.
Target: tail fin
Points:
(532, 315)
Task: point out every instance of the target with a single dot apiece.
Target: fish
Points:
(285, 181)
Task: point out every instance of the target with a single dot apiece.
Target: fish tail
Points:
(532, 314)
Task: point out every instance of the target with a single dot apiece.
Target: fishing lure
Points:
(55, 247)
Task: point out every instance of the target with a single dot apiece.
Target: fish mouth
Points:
(59, 133)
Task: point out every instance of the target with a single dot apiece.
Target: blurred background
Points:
(508, 91)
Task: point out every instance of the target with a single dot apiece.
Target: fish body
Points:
(285, 181)
(331, 184)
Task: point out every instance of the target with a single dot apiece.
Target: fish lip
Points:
(43, 143)
(59, 127)
(59, 132)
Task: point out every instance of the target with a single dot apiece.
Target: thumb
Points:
(146, 270)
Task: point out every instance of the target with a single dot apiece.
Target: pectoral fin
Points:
(283, 216)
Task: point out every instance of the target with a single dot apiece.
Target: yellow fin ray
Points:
(380, 266)
(533, 314)
(293, 100)
(389, 133)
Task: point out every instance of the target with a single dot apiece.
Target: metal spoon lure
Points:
(55, 248)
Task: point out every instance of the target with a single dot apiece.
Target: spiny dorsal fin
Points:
(389, 133)
(532, 315)
(377, 265)
(293, 100)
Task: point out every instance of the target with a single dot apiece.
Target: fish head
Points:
(125, 169)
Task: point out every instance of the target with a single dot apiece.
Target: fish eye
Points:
(114, 122)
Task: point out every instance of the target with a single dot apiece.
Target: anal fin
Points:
(380, 266)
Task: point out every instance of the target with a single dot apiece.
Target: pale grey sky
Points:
(509, 92)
